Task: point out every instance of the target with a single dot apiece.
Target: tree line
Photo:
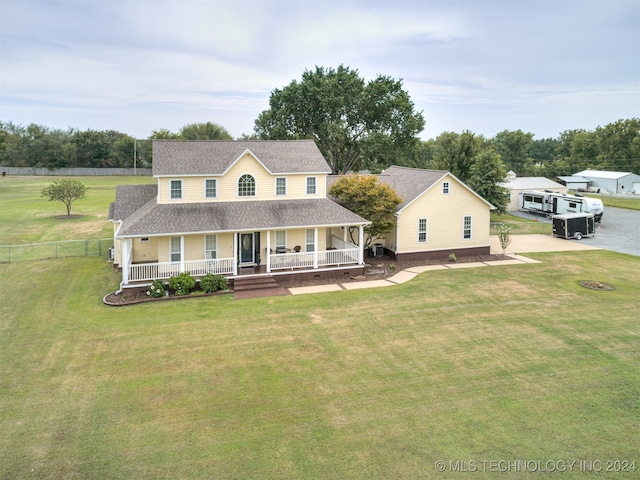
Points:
(357, 126)
(39, 146)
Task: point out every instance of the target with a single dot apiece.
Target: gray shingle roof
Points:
(214, 157)
(130, 198)
(153, 219)
(410, 182)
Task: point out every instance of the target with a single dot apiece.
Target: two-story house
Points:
(233, 208)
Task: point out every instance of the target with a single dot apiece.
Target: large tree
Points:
(355, 124)
(513, 147)
(485, 176)
(456, 152)
(204, 131)
(368, 197)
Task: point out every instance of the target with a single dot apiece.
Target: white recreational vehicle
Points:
(552, 203)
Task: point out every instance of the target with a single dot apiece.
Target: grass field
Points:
(497, 364)
(28, 217)
(519, 225)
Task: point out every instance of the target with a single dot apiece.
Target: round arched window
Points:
(246, 186)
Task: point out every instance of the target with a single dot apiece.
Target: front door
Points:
(246, 248)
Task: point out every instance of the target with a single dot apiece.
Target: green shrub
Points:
(157, 289)
(452, 257)
(210, 283)
(182, 284)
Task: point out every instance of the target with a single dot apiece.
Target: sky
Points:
(136, 66)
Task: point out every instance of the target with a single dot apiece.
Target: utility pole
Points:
(135, 155)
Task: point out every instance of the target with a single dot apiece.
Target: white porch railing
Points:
(338, 257)
(147, 272)
(143, 272)
(282, 261)
(290, 261)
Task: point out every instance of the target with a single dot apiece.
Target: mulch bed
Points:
(593, 285)
(379, 268)
(132, 296)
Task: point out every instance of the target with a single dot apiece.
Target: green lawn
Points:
(28, 217)
(519, 225)
(509, 363)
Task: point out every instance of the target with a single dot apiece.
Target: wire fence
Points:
(62, 249)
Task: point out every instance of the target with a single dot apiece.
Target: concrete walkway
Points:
(519, 244)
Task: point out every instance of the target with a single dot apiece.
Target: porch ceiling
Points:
(164, 219)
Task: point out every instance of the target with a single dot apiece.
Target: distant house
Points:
(612, 182)
(439, 215)
(516, 185)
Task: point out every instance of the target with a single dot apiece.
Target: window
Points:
(422, 230)
(466, 227)
(311, 185)
(176, 250)
(281, 185)
(310, 240)
(210, 188)
(281, 239)
(211, 246)
(176, 189)
(246, 186)
(445, 187)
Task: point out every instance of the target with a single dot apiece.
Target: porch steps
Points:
(253, 287)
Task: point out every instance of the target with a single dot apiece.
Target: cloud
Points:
(141, 65)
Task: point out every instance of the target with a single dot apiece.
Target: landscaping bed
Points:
(376, 268)
(131, 296)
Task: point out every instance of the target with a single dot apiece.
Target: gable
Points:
(215, 157)
(413, 183)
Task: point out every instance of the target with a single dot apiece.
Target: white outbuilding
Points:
(612, 182)
(575, 182)
(516, 185)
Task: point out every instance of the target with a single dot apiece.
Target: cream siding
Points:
(444, 214)
(193, 188)
(144, 252)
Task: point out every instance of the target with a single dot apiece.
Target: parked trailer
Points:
(574, 225)
(553, 203)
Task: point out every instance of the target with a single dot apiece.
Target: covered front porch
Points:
(321, 248)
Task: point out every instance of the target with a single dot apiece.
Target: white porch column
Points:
(126, 259)
(235, 253)
(344, 233)
(360, 244)
(315, 250)
(182, 253)
(268, 252)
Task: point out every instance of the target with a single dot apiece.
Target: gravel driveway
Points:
(619, 230)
